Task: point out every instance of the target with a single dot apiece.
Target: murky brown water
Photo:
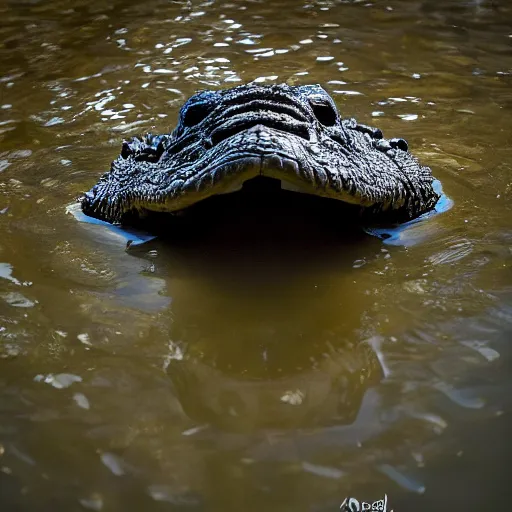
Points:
(253, 377)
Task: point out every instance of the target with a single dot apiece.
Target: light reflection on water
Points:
(228, 376)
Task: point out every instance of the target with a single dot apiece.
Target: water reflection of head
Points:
(327, 391)
(266, 312)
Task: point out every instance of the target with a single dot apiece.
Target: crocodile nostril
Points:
(377, 133)
(399, 144)
(126, 151)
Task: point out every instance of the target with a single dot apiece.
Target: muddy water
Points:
(253, 376)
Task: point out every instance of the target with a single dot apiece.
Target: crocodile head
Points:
(289, 133)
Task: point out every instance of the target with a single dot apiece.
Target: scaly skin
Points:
(294, 134)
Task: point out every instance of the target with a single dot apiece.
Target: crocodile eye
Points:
(324, 112)
(194, 114)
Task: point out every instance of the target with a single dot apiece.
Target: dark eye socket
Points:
(194, 114)
(324, 112)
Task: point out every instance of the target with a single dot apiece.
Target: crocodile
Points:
(294, 135)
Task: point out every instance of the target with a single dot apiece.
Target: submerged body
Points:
(293, 134)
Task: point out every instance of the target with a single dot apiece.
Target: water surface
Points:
(241, 372)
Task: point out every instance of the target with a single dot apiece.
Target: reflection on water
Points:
(279, 361)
